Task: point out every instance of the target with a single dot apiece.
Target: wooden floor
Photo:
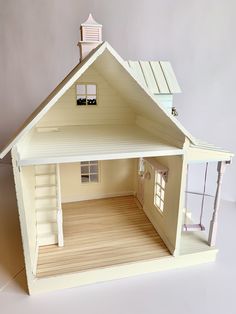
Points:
(101, 233)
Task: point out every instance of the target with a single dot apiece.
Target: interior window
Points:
(89, 171)
(86, 94)
(159, 190)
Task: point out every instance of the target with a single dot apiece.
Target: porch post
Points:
(213, 224)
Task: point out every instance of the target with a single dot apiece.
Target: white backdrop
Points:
(38, 48)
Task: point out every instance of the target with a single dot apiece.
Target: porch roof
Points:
(98, 142)
(202, 151)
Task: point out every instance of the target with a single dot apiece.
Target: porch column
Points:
(213, 224)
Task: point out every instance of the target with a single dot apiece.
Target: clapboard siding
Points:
(111, 108)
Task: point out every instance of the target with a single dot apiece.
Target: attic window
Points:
(86, 94)
(89, 171)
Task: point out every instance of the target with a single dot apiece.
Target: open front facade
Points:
(101, 174)
(106, 215)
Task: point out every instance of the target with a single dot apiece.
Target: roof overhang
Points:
(204, 152)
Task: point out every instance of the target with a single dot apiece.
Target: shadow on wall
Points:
(11, 251)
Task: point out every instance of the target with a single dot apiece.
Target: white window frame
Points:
(159, 190)
(86, 95)
(89, 172)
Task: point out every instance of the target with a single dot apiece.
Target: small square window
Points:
(94, 178)
(158, 178)
(91, 89)
(91, 100)
(80, 89)
(93, 168)
(84, 178)
(85, 169)
(86, 94)
(89, 171)
(81, 101)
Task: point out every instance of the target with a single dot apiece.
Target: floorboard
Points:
(101, 233)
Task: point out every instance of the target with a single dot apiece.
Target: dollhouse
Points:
(101, 169)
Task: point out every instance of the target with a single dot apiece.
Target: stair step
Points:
(45, 216)
(45, 174)
(44, 209)
(44, 169)
(45, 180)
(45, 191)
(45, 202)
(46, 227)
(43, 197)
(46, 223)
(47, 239)
(38, 186)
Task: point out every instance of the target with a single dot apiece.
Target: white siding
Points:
(28, 186)
(111, 108)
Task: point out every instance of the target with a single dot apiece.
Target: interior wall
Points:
(110, 108)
(24, 143)
(28, 187)
(116, 178)
(166, 223)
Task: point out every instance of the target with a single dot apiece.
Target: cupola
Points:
(91, 36)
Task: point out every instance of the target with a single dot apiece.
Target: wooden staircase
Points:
(48, 204)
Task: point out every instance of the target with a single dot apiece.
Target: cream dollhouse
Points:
(100, 172)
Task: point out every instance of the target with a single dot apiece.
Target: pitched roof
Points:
(115, 64)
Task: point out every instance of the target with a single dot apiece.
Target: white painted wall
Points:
(110, 108)
(117, 177)
(28, 188)
(38, 48)
(166, 223)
